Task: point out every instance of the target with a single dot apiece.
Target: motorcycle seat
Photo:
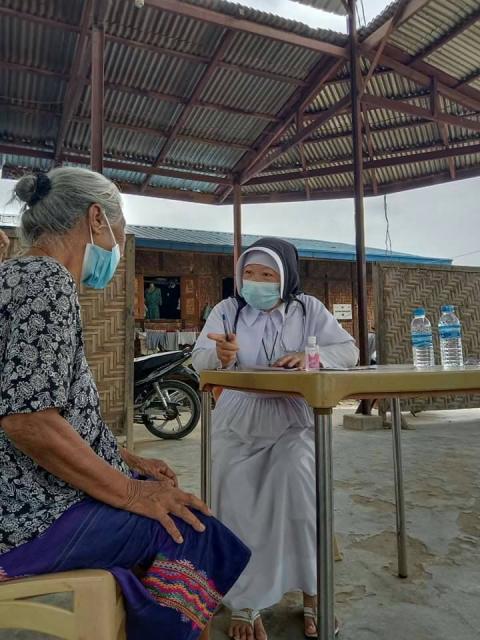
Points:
(146, 364)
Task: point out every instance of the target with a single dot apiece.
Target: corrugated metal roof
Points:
(155, 60)
(332, 6)
(218, 242)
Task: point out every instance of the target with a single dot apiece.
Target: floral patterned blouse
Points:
(42, 366)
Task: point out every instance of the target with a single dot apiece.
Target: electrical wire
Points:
(363, 12)
(462, 255)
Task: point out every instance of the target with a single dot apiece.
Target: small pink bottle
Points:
(312, 355)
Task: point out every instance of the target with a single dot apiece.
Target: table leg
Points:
(206, 448)
(324, 522)
(399, 493)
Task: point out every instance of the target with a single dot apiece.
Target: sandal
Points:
(250, 616)
(308, 612)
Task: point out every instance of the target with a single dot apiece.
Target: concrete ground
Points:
(441, 598)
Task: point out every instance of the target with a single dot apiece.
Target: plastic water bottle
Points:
(312, 355)
(422, 340)
(450, 333)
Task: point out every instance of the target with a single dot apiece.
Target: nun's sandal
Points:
(244, 616)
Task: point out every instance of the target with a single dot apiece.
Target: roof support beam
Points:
(442, 127)
(371, 153)
(316, 80)
(248, 26)
(222, 48)
(73, 93)
(339, 107)
(114, 163)
(404, 13)
(301, 153)
(192, 57)
(97, 126)
(447, 37)
(378, 102)
(379, 163)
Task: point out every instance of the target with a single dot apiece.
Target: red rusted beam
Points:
(97, 125)
(77, 157)
(47, 22)
(358, 190)
(73, 92)
(222, 48)
(379, 102)
(343, 194)
(237, 227)
(315, 82)
(379, 163)
(447, 37)
(248, 26)
(405, 11)
(261, 165)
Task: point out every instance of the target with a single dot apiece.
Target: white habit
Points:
(263, 448)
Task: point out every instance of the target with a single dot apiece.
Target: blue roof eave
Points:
(227, 249)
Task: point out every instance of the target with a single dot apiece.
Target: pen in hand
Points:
(225, 328)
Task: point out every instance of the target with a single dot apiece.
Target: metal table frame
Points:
(323, 391)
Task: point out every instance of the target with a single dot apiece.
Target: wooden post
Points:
(358, 185)
(97, 86)
(237, 226)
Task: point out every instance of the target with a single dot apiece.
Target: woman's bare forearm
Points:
(54, 445)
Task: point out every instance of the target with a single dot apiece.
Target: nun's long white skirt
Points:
(264, 490)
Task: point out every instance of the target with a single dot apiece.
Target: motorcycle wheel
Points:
(181, 415)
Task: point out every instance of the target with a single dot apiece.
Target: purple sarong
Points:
(178, 587)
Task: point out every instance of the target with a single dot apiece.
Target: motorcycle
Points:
(167, 397)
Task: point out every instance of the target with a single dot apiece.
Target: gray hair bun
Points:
(31, 189)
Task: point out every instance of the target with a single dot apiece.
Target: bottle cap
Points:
(447, 308)
(312, 341)
(419, 312)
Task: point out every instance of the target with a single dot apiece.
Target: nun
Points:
(263, 445)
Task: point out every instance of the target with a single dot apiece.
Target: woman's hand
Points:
(291, 361)
(157, 501)
(155, 469)
(226, 349)
(4, 244)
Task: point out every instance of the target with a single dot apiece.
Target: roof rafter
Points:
(379, 163)
(453, 33)
(222, 48)
(317, 78)
(404, 12)
(248, 26)
(80, 65)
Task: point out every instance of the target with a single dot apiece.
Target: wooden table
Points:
(323, 390)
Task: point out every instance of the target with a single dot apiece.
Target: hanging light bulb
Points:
(139, 3)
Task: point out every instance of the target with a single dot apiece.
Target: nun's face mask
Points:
(261, 287)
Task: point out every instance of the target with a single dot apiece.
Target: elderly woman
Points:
(263, 445)
(69, 497)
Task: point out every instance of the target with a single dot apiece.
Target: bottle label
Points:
(313, 361)
(422, 340)
(450, 331)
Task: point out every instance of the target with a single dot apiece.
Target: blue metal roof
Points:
(216, 242)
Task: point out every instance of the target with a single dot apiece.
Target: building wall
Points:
(330, 281)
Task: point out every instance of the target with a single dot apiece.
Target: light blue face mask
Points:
(99, 265)
(261, 295)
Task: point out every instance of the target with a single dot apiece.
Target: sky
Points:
(440, 221)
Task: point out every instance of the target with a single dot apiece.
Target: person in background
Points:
(153, 301)
(263, 445)
(70, 497)
(4, 245)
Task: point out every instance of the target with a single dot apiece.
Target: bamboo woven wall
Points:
(108, 325)
(398, 289)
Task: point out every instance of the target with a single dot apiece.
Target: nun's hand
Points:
(291, 361)
(226, 349)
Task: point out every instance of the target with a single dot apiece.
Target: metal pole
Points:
(237, 226)
(324, 523)
(97, 85)
(358, 186)
(399, 493)
(206, 448)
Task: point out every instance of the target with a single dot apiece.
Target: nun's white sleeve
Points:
(204, 355)
(337, 346)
